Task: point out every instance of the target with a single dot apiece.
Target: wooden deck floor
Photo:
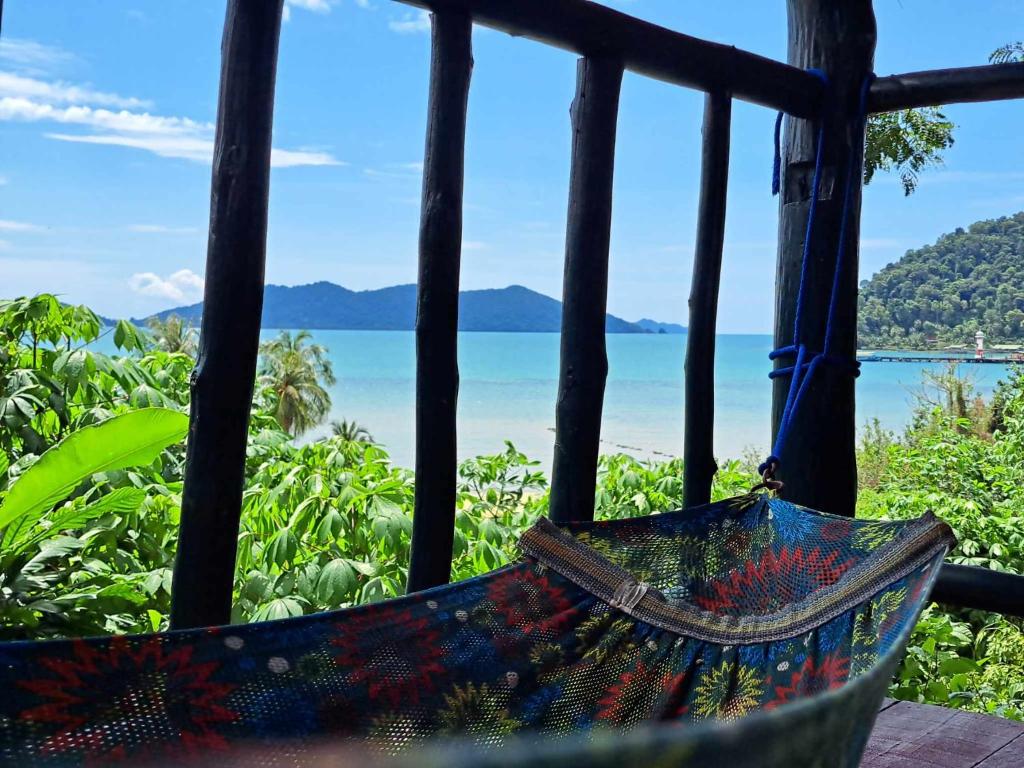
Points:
(908, 735)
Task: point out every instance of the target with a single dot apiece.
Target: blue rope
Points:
(803, 369)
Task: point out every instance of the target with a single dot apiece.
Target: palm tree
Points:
(352, 431)
(172, 334)
(295, 372)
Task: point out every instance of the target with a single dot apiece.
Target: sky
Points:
(106, 122)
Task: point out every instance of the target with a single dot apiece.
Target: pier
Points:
(897, 358)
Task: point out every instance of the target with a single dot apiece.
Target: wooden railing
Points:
(609, 42)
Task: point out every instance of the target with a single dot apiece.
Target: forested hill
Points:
(969, 280)
(325, 305)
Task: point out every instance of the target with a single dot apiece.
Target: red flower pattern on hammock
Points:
(836, 530)
(830, 672)
(772, 582)
(629, 698)
(398, 656)
(100, 698)
(528, 600)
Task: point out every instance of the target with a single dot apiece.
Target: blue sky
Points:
(106, 111)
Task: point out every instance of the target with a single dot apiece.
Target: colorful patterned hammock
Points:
(747, 632)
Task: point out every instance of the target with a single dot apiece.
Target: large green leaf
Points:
(128, 440)
(23, 533)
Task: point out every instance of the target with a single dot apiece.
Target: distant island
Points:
(327, 306)
(941, 295)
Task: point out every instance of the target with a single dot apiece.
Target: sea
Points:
(508, 384)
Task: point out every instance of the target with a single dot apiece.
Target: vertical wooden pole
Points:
(223, 379)
(437, 305)
(819, 461)
(699, 415)
(583, 359)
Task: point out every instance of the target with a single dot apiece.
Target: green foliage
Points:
(967, 281)
(950, 463)
(127, 440)
(327, 524)
(906, 142)
(1008, 53)
(171, 334)
(351, 431)
(292, 373)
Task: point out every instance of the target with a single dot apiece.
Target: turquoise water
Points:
(509, 381)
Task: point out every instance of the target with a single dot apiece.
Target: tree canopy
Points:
(969, 280)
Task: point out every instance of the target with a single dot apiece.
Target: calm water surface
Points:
(509, 381)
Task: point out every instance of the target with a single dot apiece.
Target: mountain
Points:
(969, 280)
(653, 326)
(325, 305)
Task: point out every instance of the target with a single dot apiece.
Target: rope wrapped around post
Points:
(806, 362)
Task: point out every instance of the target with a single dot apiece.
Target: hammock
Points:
(746, 632)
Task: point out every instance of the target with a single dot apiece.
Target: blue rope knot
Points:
(806, 363)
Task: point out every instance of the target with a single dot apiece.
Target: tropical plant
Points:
(72, 484)
(352, 431)
(906, 142)
(52, 382)
(294, 372)
(173, 334)
(1008, 53)
(327, 524)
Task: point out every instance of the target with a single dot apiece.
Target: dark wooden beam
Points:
(993, 82)
(699, 465)
(982, 589)
(583, 360)
(225, 372)
(596, 31)
(437, 304)
(819, 458)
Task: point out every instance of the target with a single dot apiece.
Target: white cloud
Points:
(30, 56)
(175, 137)
(5, 245)
(16, 109)
(4, 181)
(191, 148)
(411, 23)
(474, 245)
(115, 120)
(63, 93)
(162, 229)
(317, 6)
(6, 225)
(183, 285)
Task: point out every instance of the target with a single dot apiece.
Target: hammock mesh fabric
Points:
(746, 617)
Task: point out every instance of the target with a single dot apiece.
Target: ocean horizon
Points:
(509, 383)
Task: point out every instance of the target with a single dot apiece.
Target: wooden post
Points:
(699, 415)
(437, 306)
(819, 462)
(583, 365)
(223, 379)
